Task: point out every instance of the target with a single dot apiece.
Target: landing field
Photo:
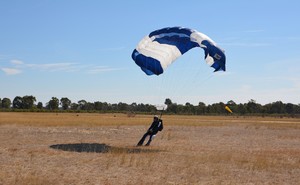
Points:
(92, 148)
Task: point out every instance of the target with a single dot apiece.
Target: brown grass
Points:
(190, 150)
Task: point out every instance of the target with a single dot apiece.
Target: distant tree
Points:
(178, 109)
(253, 107)
(289, 108)
(89, 106)
(231, 102)
(188, 108)
(105, 106)
(74, 106)
(168, 101)
(122, 106)
(133, 107)
(28, 102)
(277, 108)
(201, 108)
(0, 103)
(82, 104)
(98, 105)
(150, 108)
(53, 104)
(173, 108)
(217, 108)
(65, 103)
(114, 106)
(39, 105)
(241, 108)
(297, 109)
(6, 103)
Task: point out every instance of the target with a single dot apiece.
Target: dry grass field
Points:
(71, 148)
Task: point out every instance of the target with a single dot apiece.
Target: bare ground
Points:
(190, 150)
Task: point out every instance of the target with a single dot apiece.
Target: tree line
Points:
(28, 103)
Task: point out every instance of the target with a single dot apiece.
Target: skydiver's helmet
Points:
(155, 117)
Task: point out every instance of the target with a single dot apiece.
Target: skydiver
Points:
(157, 125)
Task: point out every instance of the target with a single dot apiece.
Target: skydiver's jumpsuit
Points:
(157, 125)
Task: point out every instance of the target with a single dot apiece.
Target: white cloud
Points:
(11, 71)
(17, 62)
(100, 69)
(18, 66)
(53, 66)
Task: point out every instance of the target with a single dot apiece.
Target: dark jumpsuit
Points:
(156, 126)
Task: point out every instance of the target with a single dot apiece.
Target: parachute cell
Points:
(156, 51)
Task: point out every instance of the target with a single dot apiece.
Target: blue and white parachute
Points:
(156, 51)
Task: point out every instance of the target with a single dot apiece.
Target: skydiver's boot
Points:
(139, 143)
(149, 141)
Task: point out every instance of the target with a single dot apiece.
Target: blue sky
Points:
(82, 50)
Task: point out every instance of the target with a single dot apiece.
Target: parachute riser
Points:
(161, 113)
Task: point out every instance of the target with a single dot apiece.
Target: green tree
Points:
(53, 104)
(89, 106)
(168, 101)
(105, 106)
(173, 108)
(253, 107)
(217, 108)
(277, 108)
(0, 103)
(65, 103)
(6, 103)
(82, 104)
(189, 108)
(74, 106)
(39, 105)
(231, 102)
(122, 106)
(133, 107)
(98, 105)
(297, 109)
(201, 108)
(28, 102)
(241, 108)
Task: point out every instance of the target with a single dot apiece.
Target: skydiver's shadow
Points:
(99, 148)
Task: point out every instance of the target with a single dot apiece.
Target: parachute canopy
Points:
(156, 51)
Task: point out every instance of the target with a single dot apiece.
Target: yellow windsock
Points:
(228, 109)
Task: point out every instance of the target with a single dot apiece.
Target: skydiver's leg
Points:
(150, 139)
(142, 139)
